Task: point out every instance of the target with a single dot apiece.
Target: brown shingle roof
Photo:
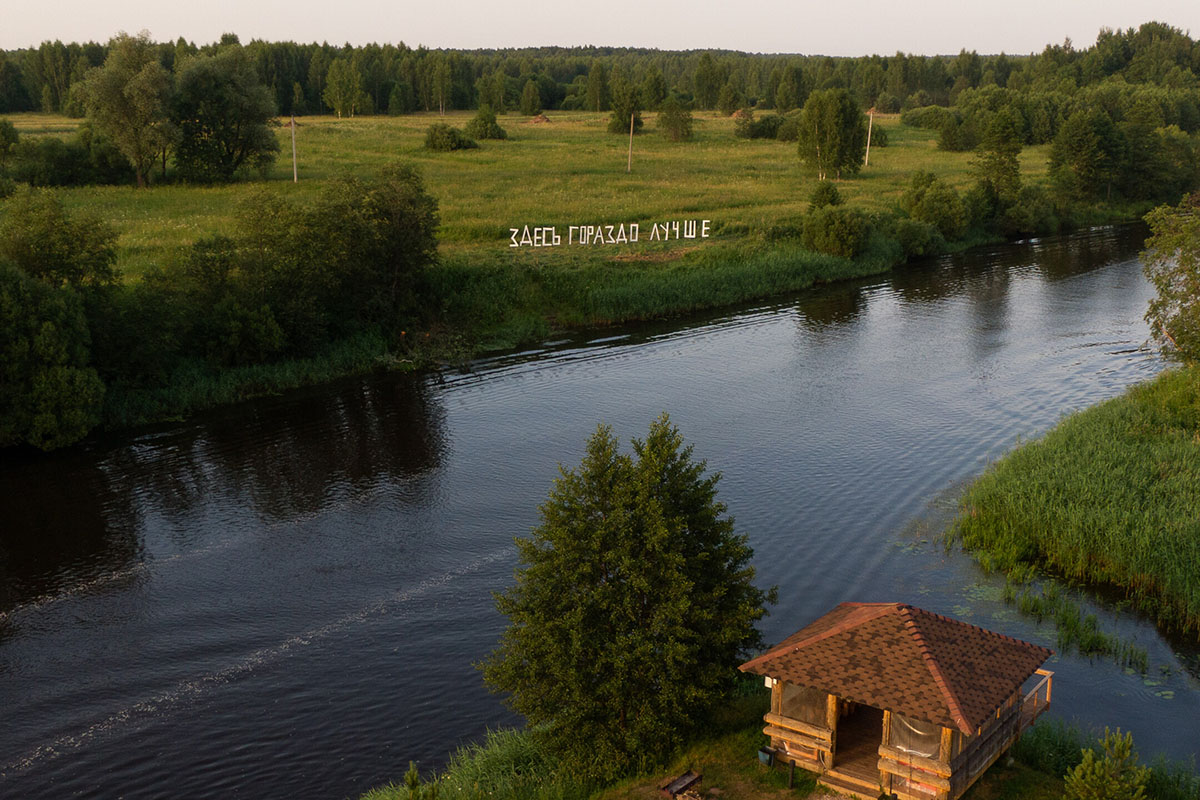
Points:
(899, 657)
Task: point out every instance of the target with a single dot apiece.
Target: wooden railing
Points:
(802, 742)
(1037, 700)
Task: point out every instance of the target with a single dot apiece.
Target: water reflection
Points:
(76, 518)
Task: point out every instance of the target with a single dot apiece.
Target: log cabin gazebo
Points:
(888, 698)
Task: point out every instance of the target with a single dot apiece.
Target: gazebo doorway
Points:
(859, 734)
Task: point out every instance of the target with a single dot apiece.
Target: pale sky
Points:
(828, 27)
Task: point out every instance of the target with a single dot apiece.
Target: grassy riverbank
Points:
(1109, 497)
(509, 766)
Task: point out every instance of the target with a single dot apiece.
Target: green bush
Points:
(887, 103)
(931, 117)
(444, 138)
(674, 120)
(836, 231)
(40, 239)
(789, 129)
(484, 125)
(1033, 212)
(825, 194)
(916, 238)
(49, 394)
(932, 201)
(745, 126)
(85, 159)
(1114, 775)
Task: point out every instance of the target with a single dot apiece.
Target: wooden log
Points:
(788, 723)
(945, 745)
(798, 739)
(922, 763)
(937, 781)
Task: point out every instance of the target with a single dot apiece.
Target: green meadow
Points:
(569, 170)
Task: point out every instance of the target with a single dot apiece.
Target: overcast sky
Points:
(830, 27)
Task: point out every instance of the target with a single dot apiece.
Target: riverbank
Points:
(1108, 498)
(484, 296)
(508, 766)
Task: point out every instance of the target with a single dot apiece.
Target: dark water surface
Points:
(285, 598)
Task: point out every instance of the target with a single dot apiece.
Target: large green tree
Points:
(996, 163)
(832, 133)
(224, 115)
(632, 608)
(49, 395)
(343, 88)
(127, 98)
(1172, 263)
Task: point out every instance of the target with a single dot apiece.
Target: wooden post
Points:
(946, 745)
(629, 166)
(295, 174)
(885, 738)
(870, 125)
(831, 721)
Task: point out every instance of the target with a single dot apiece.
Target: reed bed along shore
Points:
(1110, 497)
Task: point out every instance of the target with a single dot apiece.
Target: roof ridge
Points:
(952, 704)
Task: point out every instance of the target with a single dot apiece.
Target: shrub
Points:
(887, 103)
(1033, 212)
(484, 125)
(444, 138)
(929, 200)
(879, 136)
(789, 129)
(825, 194)
(1113, 776)
(916, 238)
(835, 230)
(932, 117)
(39, 238)
(747, 127)
(49, 395)
(674, 120)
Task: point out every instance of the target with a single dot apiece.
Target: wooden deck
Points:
(855, 768)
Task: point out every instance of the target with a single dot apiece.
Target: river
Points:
(286, 598)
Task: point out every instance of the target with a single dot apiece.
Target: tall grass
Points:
(196, 385)
(1054, 747)
(1111, 497)
(506, 764)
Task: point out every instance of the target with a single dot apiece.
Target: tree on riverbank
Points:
(1172, 263)
(632, 607)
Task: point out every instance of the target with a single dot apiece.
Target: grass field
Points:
(567, 171)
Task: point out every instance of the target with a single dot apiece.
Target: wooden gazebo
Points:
(888, 698)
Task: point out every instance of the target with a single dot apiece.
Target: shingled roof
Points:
(901, 658)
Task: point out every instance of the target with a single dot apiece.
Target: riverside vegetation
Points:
(479, 294)
(988, 148)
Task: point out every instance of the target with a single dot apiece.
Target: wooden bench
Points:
(677, 786)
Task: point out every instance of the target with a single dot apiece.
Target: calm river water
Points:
(286, 598)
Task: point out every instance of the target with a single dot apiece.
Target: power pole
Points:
(870, 124)
(629, 166)
(295, 174)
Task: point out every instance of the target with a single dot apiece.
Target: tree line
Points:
(397, 79)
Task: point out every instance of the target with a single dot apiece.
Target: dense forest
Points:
(397, 79)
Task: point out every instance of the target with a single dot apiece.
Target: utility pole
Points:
(629, 166)
(295, 174)
(870, 124)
